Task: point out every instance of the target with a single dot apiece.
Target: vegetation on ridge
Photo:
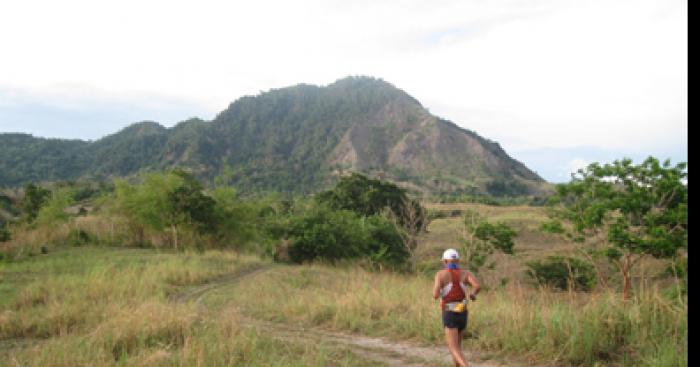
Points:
(292, 140)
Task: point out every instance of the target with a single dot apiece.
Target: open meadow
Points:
(99, 304)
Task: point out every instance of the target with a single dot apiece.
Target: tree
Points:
(481, 238)
(53, 209)
(365, 196)
(34, 198)
(188, 206)
(369, 197)
(172, 201)
(409, 223)
(628, 211)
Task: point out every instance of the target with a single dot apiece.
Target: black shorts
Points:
(454, 320)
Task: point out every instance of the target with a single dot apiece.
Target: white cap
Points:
(450, 254)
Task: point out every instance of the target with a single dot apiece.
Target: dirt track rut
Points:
(391, 353)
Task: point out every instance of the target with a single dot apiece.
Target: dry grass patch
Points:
(569, 328)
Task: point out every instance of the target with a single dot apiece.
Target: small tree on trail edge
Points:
(480, 239)
(627, 212)
(409, 223)
(171, 201)
(189, 206)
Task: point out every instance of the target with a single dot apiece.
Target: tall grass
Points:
(157, 334)
(103, 306)
(568, 328)
(77, 289)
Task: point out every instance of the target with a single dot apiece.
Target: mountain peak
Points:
(301, 138)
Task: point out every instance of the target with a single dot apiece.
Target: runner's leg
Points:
(452, 335)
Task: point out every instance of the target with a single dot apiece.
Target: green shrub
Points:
(367, 197)
(553, 226)
(562, 273)
(386, 246)
(4, 232)
(79, 237)
(34, 198)
(332, 235)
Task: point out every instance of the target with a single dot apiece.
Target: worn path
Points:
(390, 352)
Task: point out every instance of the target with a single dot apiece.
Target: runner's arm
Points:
(474, 285)
(436, 286)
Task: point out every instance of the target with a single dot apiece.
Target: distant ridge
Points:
(296, 139)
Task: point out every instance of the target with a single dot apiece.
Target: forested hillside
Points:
(297, 139)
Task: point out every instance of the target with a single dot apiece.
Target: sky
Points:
(558, 83)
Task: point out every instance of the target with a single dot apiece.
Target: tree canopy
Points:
(640, 209)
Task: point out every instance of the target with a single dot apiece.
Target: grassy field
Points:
(540, 326)
(101, 305)
(105, 306)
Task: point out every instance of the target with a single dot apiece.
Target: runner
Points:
(451, 286)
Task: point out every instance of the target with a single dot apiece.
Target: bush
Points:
(4, 232)
(386, 246)
(332, 235)
(34, 198)
(500, 235)
(367, 197)
(326, 234)
(79, 237)
(562, 272)
(553, 226)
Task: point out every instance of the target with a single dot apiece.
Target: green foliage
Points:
(172, 201)
(364, 196)
(7, 205)
(53, 211)
(34, 198)
(78, 237)
(481, 238)
(24, 159)
(562, 273)
(4, 231)
(552, 226)
(283, 140)
(641, 209)
(476, 198)
(177, 204)
(677, 269)
(327, 234)
(500, 188)
(188, 205)
(87, 190)
(370, 198)
(235, 223)
(145, 203)
(499, 235)
(367, 197)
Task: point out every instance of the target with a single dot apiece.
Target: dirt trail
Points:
(197, 293)
(391, 353)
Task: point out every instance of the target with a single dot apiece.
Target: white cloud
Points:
(530, 74)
